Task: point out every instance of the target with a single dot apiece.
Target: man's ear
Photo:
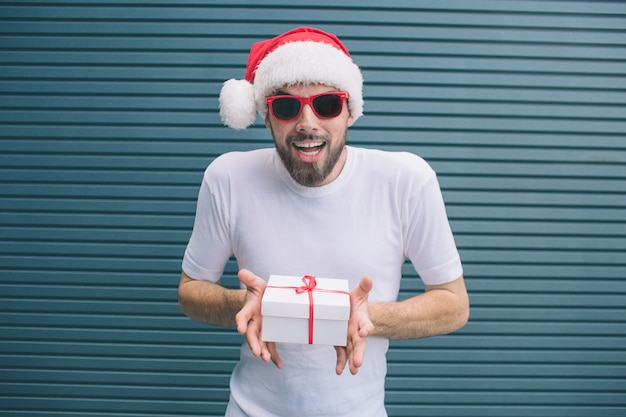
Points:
(267, 121)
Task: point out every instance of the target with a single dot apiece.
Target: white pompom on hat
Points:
(303, 55)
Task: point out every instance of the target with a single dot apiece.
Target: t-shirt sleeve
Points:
(209, 246)
(429, 241)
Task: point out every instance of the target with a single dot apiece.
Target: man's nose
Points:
(307, 121)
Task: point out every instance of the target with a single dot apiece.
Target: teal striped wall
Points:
(108, 116)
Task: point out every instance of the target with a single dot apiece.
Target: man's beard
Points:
(310, 174)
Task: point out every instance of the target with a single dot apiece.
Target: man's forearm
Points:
(209, 302)
(437, 311)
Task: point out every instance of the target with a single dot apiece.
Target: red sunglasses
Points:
(325, 106)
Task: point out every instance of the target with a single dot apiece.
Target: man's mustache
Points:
(306, 136)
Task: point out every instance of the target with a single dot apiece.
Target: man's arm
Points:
(440, 309)
(211, 303)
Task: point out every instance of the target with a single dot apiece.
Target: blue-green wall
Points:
(108, 116)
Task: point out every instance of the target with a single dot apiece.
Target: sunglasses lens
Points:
(285, 108)
(328, 105)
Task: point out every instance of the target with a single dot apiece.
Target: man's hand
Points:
(249, 320)
(359, 327)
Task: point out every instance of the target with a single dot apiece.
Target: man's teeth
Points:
(310, 145)
(307, 148)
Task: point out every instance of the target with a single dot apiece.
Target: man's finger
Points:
(246, 277)
(266, 356)
(363, 289)
(271, 347)
(358, 352)
(342, 359)
(241, 319)
(252, 337)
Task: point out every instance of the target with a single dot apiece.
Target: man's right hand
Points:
(249, 319)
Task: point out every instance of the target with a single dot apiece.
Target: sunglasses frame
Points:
(343, 95)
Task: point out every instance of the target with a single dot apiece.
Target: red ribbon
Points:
(310, 285)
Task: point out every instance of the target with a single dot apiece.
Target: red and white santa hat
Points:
(302, 55)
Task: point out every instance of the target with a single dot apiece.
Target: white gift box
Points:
(306, 310)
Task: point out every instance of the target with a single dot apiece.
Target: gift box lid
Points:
(281, 299)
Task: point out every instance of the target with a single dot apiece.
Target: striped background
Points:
(108, 116)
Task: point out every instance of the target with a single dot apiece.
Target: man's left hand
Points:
(359, 327)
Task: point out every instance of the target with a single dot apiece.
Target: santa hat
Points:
(302, 55)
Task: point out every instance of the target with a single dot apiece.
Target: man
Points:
(314, 206)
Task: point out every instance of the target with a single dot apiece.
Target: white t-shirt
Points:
(383, 208)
